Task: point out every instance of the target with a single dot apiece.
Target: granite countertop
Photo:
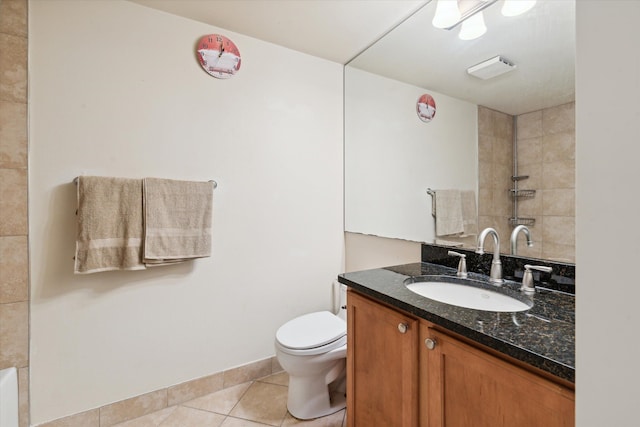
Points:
(543, 336)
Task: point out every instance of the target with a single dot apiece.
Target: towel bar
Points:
(215, 184)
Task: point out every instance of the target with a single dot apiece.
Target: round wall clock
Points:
(426, 108)
(218, 56)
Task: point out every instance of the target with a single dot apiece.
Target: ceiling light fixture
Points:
(516, 7)
(447, 14)
(450, 13)
(473, 27)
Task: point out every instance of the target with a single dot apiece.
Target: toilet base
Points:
(309, 398)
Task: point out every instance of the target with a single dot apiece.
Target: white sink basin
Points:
(467, 296)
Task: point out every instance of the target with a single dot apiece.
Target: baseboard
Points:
(137, 406)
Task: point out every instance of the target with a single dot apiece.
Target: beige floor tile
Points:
(221, 401)
(281, 378)
(238, 422)
(152, 420)
(251, 404)
(333, 420)
(189, 417)
(264, 403)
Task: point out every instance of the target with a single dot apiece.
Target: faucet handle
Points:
(462, 265)
(527, 280)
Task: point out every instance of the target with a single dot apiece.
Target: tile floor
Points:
(252, 404)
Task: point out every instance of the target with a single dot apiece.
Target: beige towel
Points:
(447, 209)
(109, 235)
(177, 220)
(469, 213)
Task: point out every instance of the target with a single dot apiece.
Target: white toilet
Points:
(312, 349)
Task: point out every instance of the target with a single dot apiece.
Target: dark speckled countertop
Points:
(543, 336)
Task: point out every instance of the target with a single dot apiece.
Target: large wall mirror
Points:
(508, 140)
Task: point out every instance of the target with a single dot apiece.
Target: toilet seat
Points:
(312, 333)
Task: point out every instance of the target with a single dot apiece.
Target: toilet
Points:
(312, 349)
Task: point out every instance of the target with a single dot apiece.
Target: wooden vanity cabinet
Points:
(464, 386)
(394, 378)
(382, 362)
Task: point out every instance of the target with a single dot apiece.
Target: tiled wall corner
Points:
(14, 274)
(495, 167)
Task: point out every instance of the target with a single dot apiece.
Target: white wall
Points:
(364, 251)
(607, 232)
(116, 90)
(392, 157)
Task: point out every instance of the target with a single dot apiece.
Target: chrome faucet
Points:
(527, 280)
(514, 238)
(495, 276)
(462, 264)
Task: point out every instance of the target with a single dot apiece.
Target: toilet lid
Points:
(311, 330)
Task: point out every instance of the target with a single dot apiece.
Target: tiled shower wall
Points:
(546, 153)
(495, 168)
(14, 271)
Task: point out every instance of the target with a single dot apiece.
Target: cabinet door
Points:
(382, 357)
(468, 387)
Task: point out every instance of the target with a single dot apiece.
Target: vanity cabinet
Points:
(407, 372)
(382, 362)
(464, 386)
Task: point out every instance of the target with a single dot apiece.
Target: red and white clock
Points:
(426, 107)
(218, 56)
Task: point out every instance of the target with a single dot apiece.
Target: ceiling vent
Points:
(491, 68)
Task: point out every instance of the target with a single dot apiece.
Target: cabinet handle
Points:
(430, 343)
(402, 327)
